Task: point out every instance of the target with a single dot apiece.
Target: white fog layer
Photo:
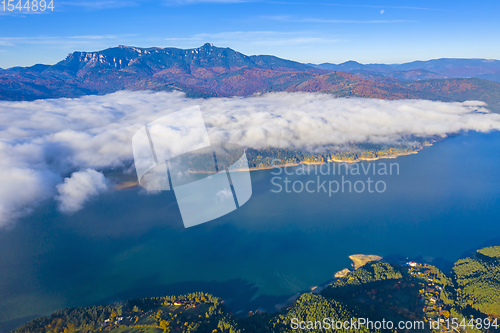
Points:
(51, 149)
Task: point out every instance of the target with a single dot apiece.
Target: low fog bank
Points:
(55, 149)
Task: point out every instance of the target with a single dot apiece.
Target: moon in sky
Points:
(382, 11)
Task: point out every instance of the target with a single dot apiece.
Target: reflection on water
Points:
(444, 203)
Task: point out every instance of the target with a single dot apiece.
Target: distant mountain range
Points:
(210, 71)
(418, 70)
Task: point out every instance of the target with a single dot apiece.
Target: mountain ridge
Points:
(210, 71)
(444, 67)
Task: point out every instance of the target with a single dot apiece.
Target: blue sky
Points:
(320, 31)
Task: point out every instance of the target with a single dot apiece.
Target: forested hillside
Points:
(379, 291)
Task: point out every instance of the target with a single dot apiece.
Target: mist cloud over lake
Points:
(51, 148)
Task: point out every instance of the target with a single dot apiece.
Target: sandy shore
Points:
(359, 260)
(130, 184)
(313, 163)
(375, 158)
(342, 273)
(382, 157)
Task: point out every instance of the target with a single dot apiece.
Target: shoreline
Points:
(393, 156)
(130, 184)
(358, 261)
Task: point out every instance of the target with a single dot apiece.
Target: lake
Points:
(443, 204)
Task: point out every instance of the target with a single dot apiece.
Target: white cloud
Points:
(79, 188)
(43, 141)
(356, 5)
(56, 40)
(224, 195)
(322, 20)
(240, 39)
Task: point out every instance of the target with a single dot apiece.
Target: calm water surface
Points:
(444, 203)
